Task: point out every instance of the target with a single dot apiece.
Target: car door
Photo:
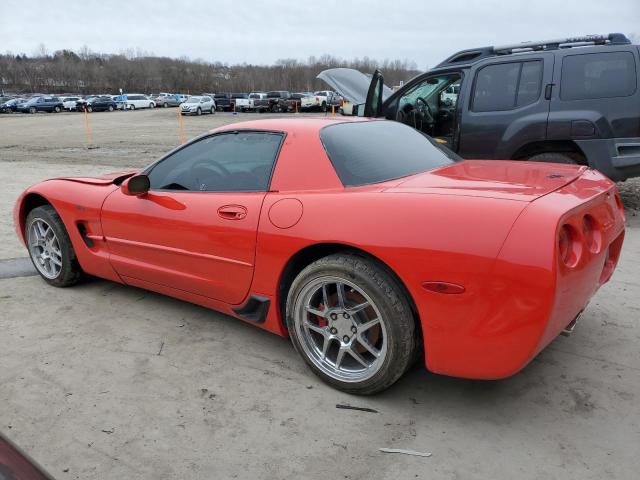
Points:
(195, 230)
(506, 105)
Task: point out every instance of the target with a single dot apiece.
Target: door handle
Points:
(232, 212)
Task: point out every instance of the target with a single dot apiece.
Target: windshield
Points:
(193, 100)
(376, 151)
(33, 100)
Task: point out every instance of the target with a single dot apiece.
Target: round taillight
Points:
(591, 233)
(569, 246)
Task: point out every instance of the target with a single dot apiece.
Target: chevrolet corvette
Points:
(364, 241)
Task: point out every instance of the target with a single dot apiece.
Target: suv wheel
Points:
(110, 108)
(553, 157)
(199, 111)
(89, 109)
(56, 109)
(32, 110)
(352, 323)
(165, 105)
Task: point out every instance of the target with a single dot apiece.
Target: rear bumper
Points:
(529, 297)
(617, 158)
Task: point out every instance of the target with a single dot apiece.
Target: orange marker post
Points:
(87, 129)
(180, 128)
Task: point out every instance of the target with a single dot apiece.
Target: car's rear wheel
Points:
(50, 248)
(110, 108)
(89, 109)
(132, 107)
(165, 105)
(275, 108)
(352, 323)
(553, 157)
(32, 110)
(212, 111)
(323, 107)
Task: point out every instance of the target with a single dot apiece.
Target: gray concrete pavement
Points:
(113, 382)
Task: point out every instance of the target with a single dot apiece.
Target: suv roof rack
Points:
(473, 55)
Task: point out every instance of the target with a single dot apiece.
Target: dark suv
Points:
(41, 104)
(575, 100)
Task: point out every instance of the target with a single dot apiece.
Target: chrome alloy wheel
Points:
(340, 329)
(44, 249)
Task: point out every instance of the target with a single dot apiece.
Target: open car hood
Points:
(351, 84)
(107, 179)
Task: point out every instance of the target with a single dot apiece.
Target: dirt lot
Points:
(103, 381)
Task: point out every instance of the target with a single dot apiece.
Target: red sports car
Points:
(362, 240)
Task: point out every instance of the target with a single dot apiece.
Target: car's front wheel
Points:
(352, 323)
(50, 248)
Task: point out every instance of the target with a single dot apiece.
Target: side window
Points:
(226, 162)
(598, 75)
(495, 87)
(506, 86)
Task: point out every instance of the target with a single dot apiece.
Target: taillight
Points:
(569, 246)
(591, 233)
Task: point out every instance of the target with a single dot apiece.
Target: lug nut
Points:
(334, 316)
(333, 330)
(345, 339)
(354, 329)
(345, 315)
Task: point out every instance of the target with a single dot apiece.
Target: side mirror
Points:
(136, 186)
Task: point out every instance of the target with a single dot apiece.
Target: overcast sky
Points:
(253, 31)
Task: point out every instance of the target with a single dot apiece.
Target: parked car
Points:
(321, 100)
(255, 96)
(222, 101)
(480, 264)
(69, 103)
(275, 101)
(41, 104)
(97, 104)
(295, 101)
(15, 464)
(172, 100)
(240, 102)
(137, 100)
(197, 105)
(11, 105)
(575, 100)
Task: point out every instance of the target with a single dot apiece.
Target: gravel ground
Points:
(103, 381)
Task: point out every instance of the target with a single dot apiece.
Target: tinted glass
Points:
(377, 151)
(530, 83)
(229, 162)
(598, 75)
(273, 95)
(495, 87)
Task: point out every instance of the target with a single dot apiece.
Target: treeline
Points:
(90, 72)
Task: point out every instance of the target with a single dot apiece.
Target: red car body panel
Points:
(489, 230)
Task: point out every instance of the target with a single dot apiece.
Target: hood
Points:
(509, 180)
(115, 178)
(351, 84)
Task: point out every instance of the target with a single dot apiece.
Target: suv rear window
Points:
(598, 75)
(376, 151)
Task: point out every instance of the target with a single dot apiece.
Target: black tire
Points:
(323, 107)
(199, 111)
(554, 157)
(392, 302)
(89, 109)
(275, 108)
(70, 272)
(132, 107)
(56, 109)
(212, 111)
(110, 108)
(165, 105)
(32, 110)
(152, 105)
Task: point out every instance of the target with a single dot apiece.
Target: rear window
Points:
(376, 151)
(598, 75)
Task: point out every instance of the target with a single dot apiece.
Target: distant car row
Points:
(273, 101)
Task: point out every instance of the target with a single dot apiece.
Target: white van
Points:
(137, 100)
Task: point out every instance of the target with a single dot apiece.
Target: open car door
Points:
(366, 92)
